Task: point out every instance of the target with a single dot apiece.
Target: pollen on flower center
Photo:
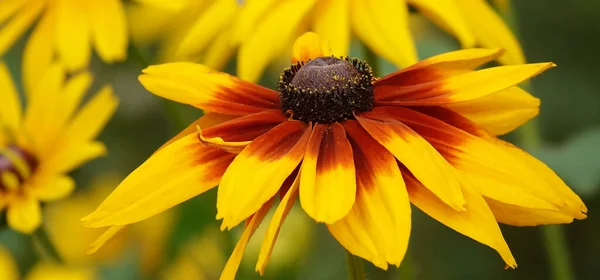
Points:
(16, 165)
(326, 89)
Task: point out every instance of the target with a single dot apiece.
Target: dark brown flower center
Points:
(326, 89)
(16, 165)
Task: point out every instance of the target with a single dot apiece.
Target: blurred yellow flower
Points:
(263, 29)
(40, 145)
(8, 266)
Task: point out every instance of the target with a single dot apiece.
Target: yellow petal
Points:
(238, 252)
(73, 33)
(521, 216)
(281, 212)
(107, 235)
(500, 112)
(53, 188)
(332, 23)
(309, 46)
(69, 155)
(39, 51)
(24, 215)
(328, 180)
(270, 37)
(206, 121)
(72, 93)
(19, 23)
(10, 104)
(48, 270)
(382, 25)
(170, 5)
(249, 17)
(477, 222)
(8, 267)
(378, 227)
(9, 8)
(209, 24)
(174, 174)
(220, 51)
(109, 29)
(259, 170)
(445, 14)
(417, 155)
(90, 120)
(490, 30)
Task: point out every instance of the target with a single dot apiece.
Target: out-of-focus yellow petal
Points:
(500, 112)
(251, 13)
(46, 271)
(383, 26)
(209, 24)
(9, 8)
(70, 155)
(8, 266)
(270, 37)
(73, 33)
(238, 252)
(445, 14)
(490, 30)
(71, 95)
(309, 46)
(109, 32)
(22, 20)
(332, 22)
(53, 188)
(105, 237)
(174, 174)
(10, 104)
(90, 120)
(477, 222)
(170, 5)
(39, 51)
(24, 214)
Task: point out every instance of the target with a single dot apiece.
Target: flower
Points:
(355, 149)
(39, 146)
(67, 29)
(265, 29)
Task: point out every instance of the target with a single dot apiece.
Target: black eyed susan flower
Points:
(40, 145)
(355, 149)
(264, 29)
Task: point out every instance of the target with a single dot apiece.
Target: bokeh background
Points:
(187, 240)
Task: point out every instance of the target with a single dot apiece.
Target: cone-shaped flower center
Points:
(326, 89)
(16, 165)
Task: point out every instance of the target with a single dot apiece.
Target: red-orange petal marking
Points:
(259, 171)
(327, 179)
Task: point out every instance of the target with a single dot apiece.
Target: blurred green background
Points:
(565, 32)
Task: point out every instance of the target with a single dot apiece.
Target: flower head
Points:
(40, 145)
(355, 149)
(264, 29)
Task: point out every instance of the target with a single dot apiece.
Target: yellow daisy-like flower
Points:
(40, 145)
(68, 30)
(263, 29)
(355, 149)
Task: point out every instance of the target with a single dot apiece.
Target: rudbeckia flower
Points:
(264, 29)
(68, 30)
(357, 150)
(40, 145)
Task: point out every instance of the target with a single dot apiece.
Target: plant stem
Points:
(48, 250)
(356, 267)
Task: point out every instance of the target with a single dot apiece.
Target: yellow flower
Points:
(67, 29)
(355, 149)
(40, 145)
(264, 29)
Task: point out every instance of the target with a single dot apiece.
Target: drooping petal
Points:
(73, 34)
(459, 88)
(19, 23)
(477, 222)
(39, 51)
(259, 170)
(491, 170)
(500, 112)
(52, 188)
(107, 235)
(109, 32)
(309, 46)
(206, 121)
(270, 37)
(417, 155)
(203, 88)
(378, 226)
(238, 252)
(281, 212)
(24, 214)
(10, 104)
(174, 174)
(521, 216)
(446, 15)
(490, 30)
(332, 23)
(439, 66)
(236, 134)
(327, 179)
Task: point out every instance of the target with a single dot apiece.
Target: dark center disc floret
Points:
(326, 89)
(7, 164)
